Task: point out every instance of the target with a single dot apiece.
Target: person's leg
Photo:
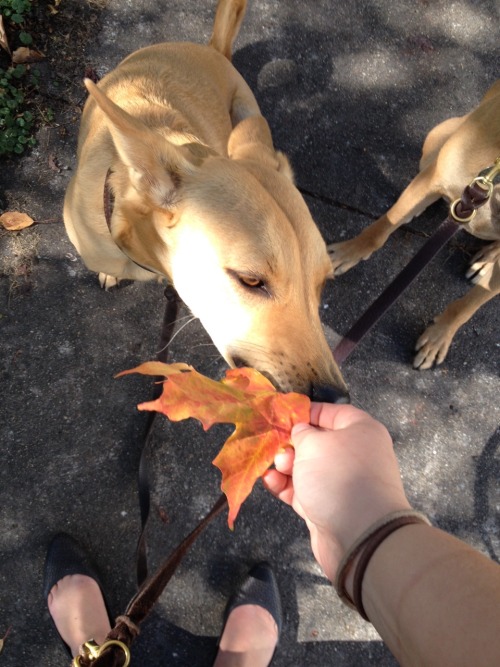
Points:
(78, 611)
(249, 638)
(73, 593)
(253, 622)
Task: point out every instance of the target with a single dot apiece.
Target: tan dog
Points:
(453, 154)
(202, 198)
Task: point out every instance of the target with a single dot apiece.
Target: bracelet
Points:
(366, 545)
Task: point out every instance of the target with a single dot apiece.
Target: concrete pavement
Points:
(350, 91)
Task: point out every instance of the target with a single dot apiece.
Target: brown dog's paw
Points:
(107, 282)
(482, 261)
(346, 254)
(432, 346)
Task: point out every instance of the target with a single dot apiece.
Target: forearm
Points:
(434, 600)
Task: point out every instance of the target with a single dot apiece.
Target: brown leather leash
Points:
(168, 326)
(143, 486)
(462, 210)
(115, 650)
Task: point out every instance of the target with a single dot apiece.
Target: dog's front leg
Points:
(432, 346)
(420, 194)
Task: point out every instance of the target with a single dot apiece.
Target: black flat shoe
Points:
(261, 588)
(66, 556)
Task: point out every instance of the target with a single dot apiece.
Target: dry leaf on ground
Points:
(53, 163)
(2, 640)
(13, 221)
(24, 55)
(262, 416)
(3, 36)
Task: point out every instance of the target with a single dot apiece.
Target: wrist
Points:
(350, 573)
(362, 516)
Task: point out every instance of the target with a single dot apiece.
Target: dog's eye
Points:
(249, 281)
(255, 284)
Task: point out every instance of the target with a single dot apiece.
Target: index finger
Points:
(335, 416)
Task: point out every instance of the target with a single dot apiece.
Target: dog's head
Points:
(237, 240)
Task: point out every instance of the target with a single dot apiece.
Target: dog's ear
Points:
(251, 140)
(156, 167)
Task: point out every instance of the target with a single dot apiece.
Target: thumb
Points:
(301, 431)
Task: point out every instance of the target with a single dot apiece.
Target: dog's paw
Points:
(482, 261)
(345, 255)
(107, 282)
(433, 345)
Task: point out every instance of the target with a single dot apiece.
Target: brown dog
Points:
(453, 154)
(202, 198)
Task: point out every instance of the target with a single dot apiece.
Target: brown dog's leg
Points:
(420, 194)
(479, 265)
(433, 344)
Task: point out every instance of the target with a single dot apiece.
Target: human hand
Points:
(341, 477)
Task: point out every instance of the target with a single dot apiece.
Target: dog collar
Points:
(109, 204)
(109, 199)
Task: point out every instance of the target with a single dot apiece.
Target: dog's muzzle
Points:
(328, 394)
(321, 393)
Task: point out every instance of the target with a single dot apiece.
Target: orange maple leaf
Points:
(262, 416)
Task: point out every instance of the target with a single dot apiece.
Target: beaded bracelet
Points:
(366, 545)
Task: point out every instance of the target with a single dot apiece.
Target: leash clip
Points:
(484, 183)
(92, 651)
(493, 172)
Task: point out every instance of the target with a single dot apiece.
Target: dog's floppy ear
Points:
(251, 140)
(156, 166)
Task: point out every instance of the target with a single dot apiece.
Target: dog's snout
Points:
(239, 362)
(328, 394)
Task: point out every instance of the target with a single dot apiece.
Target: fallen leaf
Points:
(25, 55)
(262, 416)
(3, 36)
(13, 221)
(53, 163)
(2, 641)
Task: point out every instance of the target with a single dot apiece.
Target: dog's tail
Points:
(228, 18)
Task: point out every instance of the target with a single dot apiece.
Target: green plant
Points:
(15, 120)
(14, 10)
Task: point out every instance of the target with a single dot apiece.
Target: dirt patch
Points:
(17, 257)
(63, 38)
(35, 182)
(61, 31)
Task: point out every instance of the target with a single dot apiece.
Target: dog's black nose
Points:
(328, 394)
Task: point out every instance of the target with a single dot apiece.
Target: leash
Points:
(143, 485)
(115, 650)
(168, 325)
(461, 211)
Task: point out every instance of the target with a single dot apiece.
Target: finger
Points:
(279, 485)
(335, 416)
(284, 459)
